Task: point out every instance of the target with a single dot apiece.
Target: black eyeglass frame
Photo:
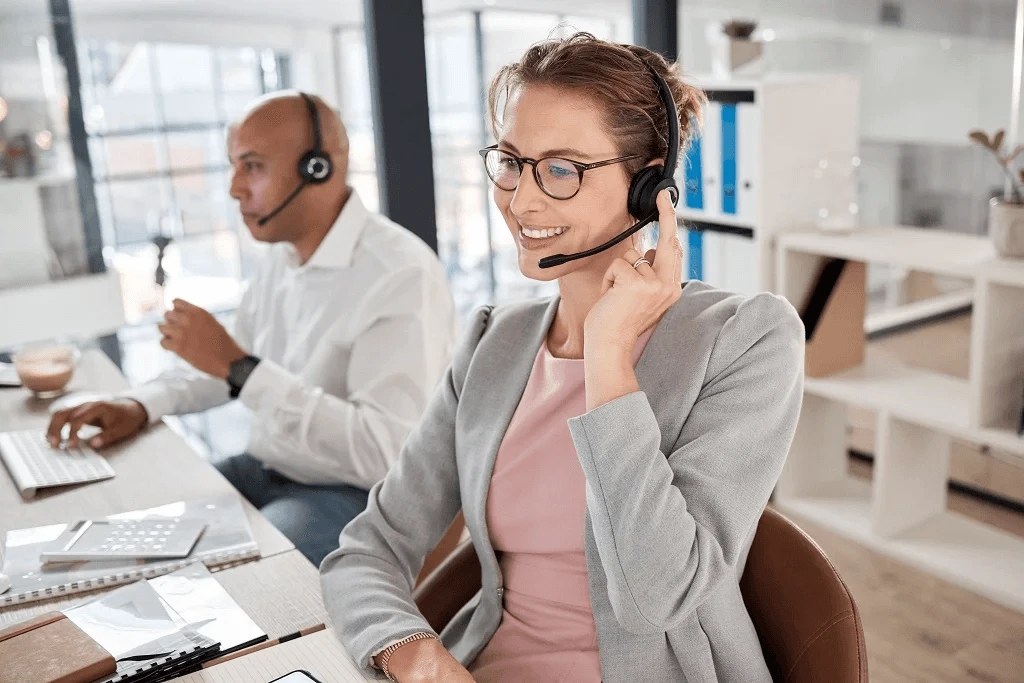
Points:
(581, 168)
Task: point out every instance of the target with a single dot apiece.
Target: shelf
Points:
(920, 396)
(932, 251)
(1003, 440)
(721, 219)
(954, 548)
(1006, 271)
(918, 310)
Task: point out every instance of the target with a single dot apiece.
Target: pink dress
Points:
(535, 513)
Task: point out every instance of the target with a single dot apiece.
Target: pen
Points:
(265, 644)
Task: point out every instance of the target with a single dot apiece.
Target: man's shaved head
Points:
(265, 146)
(286, 114)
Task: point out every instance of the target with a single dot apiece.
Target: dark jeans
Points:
(312, 517)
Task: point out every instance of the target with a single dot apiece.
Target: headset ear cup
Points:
(315, 168)
(643, 194)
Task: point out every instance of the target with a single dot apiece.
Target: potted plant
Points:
(734, 50)
(1006, 213)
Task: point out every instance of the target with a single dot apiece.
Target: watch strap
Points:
(238, 373)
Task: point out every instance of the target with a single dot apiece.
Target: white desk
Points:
(155, 468)
(319, 653)
(280, 591)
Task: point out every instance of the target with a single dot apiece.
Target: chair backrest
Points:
(806, 619)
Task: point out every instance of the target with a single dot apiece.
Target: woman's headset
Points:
(315, 167)
(645, 186)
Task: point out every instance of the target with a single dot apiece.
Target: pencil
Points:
(265, 644)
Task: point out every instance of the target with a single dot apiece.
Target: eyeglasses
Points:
(558, 178)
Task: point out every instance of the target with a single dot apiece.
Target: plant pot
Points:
(732, 57)
(1006, 227)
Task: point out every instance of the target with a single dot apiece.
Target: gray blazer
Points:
(677, 477)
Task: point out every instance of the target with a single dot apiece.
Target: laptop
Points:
(33, 464)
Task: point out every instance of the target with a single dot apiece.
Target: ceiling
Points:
(295, 12)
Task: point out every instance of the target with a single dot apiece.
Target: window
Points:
(464, 50)
(155, 114)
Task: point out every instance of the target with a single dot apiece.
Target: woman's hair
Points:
(616, 77)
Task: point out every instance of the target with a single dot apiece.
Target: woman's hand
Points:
(633, 299)
(427, 661)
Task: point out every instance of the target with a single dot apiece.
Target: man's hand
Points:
(196, 336)
(117, 420)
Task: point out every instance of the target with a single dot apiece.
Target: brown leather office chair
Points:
(807, 621)
(444, 548)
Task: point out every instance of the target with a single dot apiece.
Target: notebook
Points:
(227, 539)
(26, 652)
(143, 634)
(320, 654)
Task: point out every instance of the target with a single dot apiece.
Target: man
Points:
(344, 331)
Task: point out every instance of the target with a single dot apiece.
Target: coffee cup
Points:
(46, 370)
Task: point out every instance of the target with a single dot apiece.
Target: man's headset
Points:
(645, 186)
(315, 167)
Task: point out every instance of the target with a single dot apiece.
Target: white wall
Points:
(916, 86)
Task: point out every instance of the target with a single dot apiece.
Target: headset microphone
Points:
(315, 167)
(645, 186)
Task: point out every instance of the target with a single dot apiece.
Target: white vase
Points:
(1006, 227)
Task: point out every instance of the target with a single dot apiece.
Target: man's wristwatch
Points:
(239, 371)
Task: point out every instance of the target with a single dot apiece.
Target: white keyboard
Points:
(33, 464)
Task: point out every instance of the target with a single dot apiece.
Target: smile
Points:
(541, 233)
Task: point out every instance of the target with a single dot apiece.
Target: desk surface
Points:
(281, 591)
(320, 653)
(155, 468)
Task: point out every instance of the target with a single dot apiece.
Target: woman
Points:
(612, 449)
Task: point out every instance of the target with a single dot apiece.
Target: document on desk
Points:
(320, 654)
(226, 539)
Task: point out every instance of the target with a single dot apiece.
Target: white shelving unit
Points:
(750, 173)
(902, 511)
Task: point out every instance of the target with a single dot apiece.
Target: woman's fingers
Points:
(632, 256)
(670, 252)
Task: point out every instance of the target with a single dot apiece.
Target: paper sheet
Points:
(320, 654)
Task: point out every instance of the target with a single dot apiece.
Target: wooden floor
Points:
(920, 628)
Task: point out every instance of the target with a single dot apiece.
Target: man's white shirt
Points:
(352, 344)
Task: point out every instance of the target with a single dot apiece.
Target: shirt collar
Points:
(338, 245)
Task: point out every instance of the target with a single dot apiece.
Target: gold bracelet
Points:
(385, 656)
